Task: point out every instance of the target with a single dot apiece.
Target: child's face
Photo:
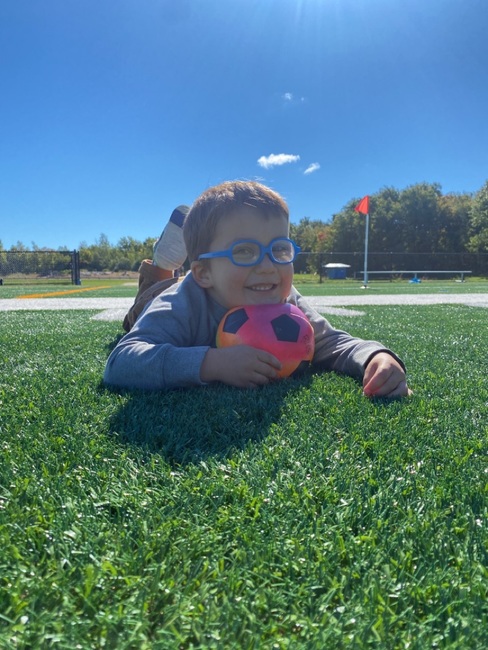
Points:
(231, 285)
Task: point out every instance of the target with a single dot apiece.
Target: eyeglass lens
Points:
(248, 252)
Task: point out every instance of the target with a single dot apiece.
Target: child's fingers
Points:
(402, 390)
(377, 383)
(392, 386)
(382, 380)
(269, 359)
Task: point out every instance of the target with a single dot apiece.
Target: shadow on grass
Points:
(112, 344)
(190, 424)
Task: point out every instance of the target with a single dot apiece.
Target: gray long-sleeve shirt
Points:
(167, 345)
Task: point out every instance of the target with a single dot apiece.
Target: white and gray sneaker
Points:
(169, 251)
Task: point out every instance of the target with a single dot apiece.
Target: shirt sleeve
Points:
(335, 349)
(167, 345)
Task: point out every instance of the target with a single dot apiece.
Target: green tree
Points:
(134, 251)
(3, 260)
(419, 208)
(103, 257)
(400, 221)
(453, 225)
(313, 236)
(310, 235)
(478, 226)
(346, 233)
(386, 221)
(123, 264)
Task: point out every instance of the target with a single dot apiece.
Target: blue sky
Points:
(112, 112)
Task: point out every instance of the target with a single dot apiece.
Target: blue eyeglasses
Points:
(248, 252)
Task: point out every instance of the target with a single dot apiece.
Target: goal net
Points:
(24, 267)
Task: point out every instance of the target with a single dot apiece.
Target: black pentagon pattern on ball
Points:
(285, 328)
(235, 321)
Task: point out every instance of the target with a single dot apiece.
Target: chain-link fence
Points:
(477, 263)
(39, 266)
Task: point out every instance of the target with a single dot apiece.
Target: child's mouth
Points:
(262, 287)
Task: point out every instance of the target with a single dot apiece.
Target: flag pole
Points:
(363, 208)
(366, 235)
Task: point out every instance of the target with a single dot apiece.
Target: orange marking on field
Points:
(53, 294)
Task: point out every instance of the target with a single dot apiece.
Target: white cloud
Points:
(290, 99)
(275, 159)
(312, 168)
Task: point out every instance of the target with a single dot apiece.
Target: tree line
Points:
(418, 220)
(419, 223)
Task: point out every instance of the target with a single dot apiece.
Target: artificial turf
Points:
(298, 515)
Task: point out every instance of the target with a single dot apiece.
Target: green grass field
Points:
(88, 289)
(299, 515)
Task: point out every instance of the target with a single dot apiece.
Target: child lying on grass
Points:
(236, 239)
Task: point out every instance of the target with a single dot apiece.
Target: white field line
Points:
(115, 308)
(472, 299)
(56, 304)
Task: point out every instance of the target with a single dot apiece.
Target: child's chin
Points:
(271, 297)
(265, 300)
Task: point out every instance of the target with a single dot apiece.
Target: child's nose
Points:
(266, 262)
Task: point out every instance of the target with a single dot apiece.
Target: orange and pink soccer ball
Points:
(283, 330)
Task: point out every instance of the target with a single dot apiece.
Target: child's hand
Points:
(240, 365)
(385, 377)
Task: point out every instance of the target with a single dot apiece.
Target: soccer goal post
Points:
(39, 266)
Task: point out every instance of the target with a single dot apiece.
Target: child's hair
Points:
(221, 201)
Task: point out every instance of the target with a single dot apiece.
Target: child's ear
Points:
(201, 274)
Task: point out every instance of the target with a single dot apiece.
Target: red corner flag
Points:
(363, 205)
